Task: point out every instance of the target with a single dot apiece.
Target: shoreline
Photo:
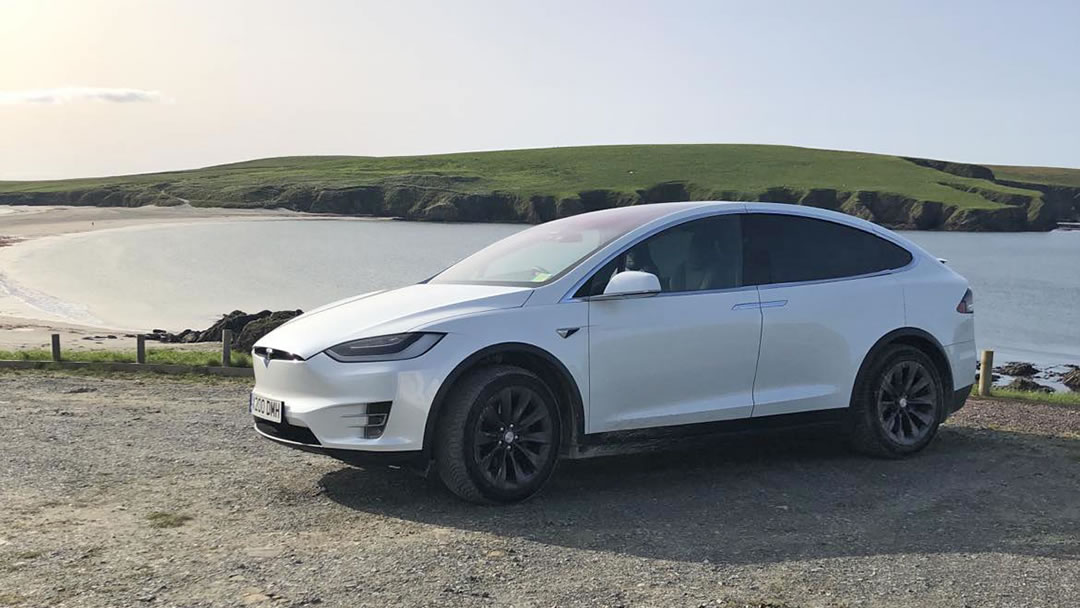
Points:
(28, 317)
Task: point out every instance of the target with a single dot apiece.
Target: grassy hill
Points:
(537, 185)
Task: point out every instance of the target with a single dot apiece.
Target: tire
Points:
(498, 438)
(897, 404)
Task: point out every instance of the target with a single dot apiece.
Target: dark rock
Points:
(927, 215)
(1071, 379)
(363, 200)
(1017, 368)
(188, 336)
(440, 212)
(540, 209)
(260, 327)
(1001, 219)
(246, 328)
(1028, 386)
(595, 200)
(778, 194)
(234, 321)
(568, 206)
(825, 198)
(666, 192)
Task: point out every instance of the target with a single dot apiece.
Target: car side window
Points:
(790, 248)
(698, 255)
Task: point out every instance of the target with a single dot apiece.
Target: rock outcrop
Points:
(246, 328)
(1017, 368)
(1028, 386)
(1071, 379)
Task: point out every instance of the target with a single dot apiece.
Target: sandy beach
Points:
(23, 325)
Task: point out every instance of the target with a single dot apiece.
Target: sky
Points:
(103, 87)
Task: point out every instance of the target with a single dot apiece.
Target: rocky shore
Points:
(1025, 377)
(246, 329)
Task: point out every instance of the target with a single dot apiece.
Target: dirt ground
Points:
(152, 491)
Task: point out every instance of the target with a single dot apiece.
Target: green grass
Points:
(164, 356)
(712, 170)
(1070, 398)
(1038, 175)
(161, 519)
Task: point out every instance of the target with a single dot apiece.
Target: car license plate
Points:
(267, 409)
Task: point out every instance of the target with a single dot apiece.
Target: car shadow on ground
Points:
(772, 499)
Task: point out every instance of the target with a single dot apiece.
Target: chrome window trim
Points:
(855, 277)
(669, 294)
(569, 296)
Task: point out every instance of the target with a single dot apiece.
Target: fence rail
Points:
(58, 362)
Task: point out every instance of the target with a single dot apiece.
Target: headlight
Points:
(385, 348)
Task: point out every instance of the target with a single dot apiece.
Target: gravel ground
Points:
(150, 491)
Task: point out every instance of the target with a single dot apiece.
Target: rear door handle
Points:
(774, 304)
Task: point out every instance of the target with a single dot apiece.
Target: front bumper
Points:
(300, 438)
(329, 405)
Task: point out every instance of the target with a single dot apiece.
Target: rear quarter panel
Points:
(931, 293)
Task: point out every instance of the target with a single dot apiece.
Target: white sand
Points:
(28, 318)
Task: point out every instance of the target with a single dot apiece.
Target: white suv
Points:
(595, 332)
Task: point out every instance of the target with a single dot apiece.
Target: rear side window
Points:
(791, 248)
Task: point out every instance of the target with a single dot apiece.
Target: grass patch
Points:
(91, 372)
(164, 356)
(163, 519)
(1071, 398)
(1038, 175)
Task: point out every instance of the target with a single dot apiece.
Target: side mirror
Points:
(629, 284)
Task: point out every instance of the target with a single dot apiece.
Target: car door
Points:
(827, 295)
(687, 354)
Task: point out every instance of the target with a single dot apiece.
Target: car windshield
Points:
(543, 253)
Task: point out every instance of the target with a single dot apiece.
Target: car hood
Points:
(387, 312)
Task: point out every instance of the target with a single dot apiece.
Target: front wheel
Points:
(898, 404)
(498, 440)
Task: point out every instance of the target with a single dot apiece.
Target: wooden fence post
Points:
(56, 347)
(140, 348)
(226, 347)
(986, 373)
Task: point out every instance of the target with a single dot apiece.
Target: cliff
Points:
(539, 185)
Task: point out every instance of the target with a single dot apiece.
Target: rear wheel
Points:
(499, 437)
(898, 404)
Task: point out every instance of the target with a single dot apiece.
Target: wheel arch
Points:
(527, 356)
(915, 337)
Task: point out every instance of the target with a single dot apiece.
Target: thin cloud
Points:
(78, 94)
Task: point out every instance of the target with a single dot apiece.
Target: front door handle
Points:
(756, 305)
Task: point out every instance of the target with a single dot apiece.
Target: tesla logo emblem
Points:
(266, 359)
(566, 332)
